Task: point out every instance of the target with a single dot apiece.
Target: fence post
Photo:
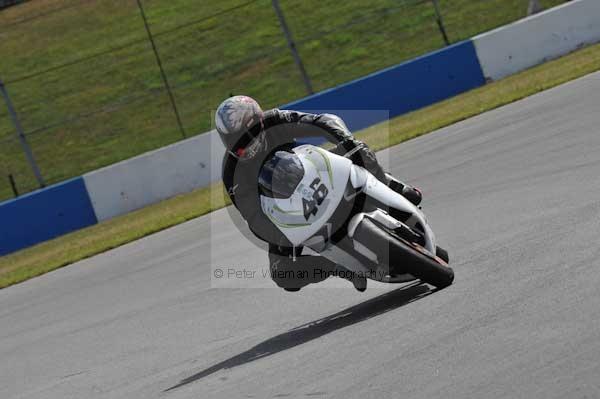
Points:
(440, 21)
(13, 185)
(534, 7)
(162, 71)
(21, 136)
(292, 45)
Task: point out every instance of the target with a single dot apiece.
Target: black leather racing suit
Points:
(240, 180)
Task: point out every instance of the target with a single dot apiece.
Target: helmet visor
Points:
(249, 146)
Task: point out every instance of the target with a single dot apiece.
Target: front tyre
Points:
(402, 257)
(442, 253)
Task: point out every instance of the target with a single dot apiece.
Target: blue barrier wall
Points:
(400, 89)
(44, 214)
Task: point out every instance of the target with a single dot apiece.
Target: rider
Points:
(249, 136)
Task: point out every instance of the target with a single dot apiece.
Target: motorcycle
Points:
(342, 212)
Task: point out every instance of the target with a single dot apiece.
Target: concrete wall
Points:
(531, 41)
(44, 214)
(155, 176)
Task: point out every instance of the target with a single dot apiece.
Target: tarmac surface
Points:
(514, 194)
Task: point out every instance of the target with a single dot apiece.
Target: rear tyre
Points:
(401, 257)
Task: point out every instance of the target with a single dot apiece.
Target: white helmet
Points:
(239, 124)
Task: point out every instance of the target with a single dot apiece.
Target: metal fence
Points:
(93, 82)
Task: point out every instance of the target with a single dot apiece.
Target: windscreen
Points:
(280, 175)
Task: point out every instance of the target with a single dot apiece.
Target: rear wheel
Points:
(401, 256)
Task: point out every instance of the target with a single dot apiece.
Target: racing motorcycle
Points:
(323, 201)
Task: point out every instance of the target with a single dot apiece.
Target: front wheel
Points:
(442, 253)
(402, 257)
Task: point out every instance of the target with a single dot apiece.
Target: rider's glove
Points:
(361, 155)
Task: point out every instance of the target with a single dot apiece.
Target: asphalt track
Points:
(515, 196)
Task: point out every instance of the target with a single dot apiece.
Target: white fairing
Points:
(326, 176)
(302, 215)
(372, 187)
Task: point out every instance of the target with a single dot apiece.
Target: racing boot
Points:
(412, 194)
(360, 282)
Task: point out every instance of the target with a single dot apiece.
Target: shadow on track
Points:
(315, 329)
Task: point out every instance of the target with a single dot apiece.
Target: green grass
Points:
(115, 104)
(87, 242)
